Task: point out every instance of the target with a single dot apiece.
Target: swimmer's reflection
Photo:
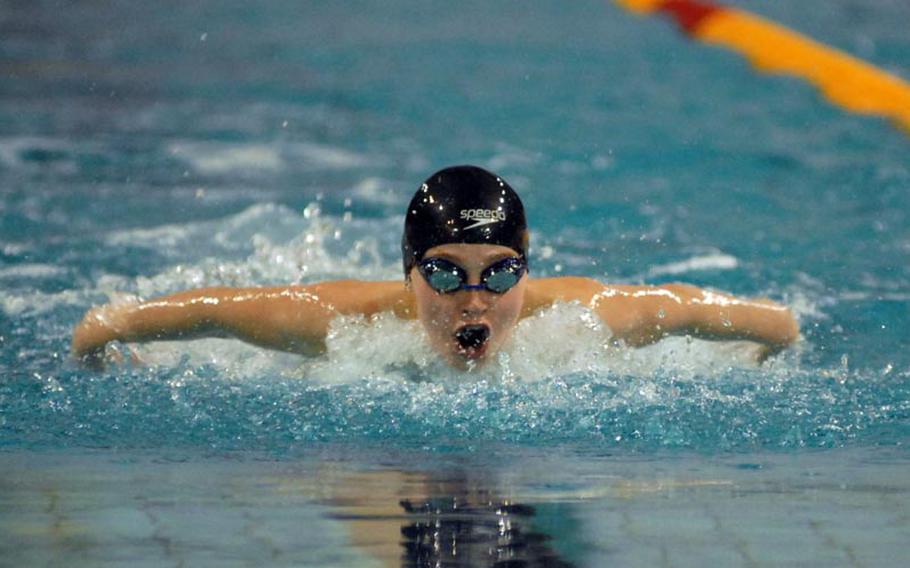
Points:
(446, 532)
(414, 520)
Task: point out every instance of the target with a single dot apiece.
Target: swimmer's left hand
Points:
(786, 336)
(113, 355)
(99, 326)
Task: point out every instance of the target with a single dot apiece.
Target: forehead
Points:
(468, 253)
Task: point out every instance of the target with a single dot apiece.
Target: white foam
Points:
(704, 262)
(162, 235)
(36, 303)
(377, 190)
(232, 232)
(586, 345)
(320, 155)
(222, 158)
(859, 296)
(288, 247)
(391, 348)
(13, 249)
(234, 359)
(803, 305)
(510, 156)
(382, 346)
(30, 270)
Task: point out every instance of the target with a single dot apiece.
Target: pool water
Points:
(148, 149)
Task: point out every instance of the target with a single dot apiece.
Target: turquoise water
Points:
(145, 149)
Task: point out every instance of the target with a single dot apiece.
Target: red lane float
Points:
(845, 80)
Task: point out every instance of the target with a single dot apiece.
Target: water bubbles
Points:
(375, 383)
(311, 211)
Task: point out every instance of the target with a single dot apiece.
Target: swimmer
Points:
(466, 280)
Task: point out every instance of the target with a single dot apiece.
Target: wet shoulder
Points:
(366, 297)
(543, 292)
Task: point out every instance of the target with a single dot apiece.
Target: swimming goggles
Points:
(446, 277)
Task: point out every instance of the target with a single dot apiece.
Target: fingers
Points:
(112, 354)
(93, 360)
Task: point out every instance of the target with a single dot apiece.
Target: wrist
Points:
(99, 326)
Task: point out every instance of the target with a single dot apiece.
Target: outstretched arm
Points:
(293, 318)
(644, 314)
(640, 315)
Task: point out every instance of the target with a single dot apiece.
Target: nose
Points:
(475, 303)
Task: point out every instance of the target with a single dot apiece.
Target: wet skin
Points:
(443, 315)
(298, 318)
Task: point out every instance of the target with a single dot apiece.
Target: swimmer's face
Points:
(468, 327)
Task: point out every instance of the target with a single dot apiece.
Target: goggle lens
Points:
(443, 280)
(501, 280)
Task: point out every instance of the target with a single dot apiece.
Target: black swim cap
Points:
(463, 204)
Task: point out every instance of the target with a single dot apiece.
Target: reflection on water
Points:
(365, 507)
(488, 533)
(454, 518)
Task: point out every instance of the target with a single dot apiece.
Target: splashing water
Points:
(380, 381)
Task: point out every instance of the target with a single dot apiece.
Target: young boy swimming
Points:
(464, 250)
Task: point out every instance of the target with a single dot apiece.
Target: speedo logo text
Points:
(482, 217)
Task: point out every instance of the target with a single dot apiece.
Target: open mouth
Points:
(472, 339)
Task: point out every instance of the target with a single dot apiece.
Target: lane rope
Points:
(846, 81)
